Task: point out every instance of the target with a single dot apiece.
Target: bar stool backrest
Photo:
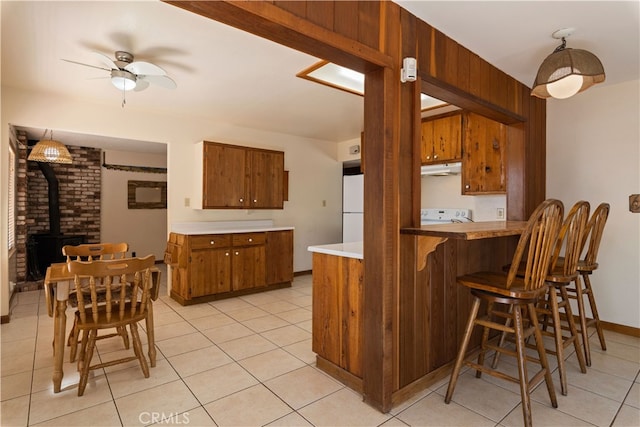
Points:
(593, 234)
(536, 244)
(571, 239)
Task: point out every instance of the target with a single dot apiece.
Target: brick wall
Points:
(80, 192)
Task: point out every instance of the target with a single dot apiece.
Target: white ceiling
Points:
(231, 76)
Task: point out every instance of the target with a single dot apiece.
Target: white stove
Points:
(443, 216)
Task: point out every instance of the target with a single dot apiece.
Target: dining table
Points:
(58, 283)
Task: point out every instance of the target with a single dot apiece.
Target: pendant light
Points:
(567, 71)
(50, 151)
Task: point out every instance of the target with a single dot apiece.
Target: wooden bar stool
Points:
(560, 276)
(519, 295)
(586, 266)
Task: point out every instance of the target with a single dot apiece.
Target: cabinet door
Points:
(279, 252)
(483, 169)
(442, 139)
(447, 138)
(248, 265)
(224, 170)
(266, 179)
(210, 271)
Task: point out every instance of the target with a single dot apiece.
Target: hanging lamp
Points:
(567, 71)
(50, 151)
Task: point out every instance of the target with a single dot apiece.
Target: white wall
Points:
(593, 154)
(315, 174)
(145, 230)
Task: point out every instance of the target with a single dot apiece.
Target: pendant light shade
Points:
(567, 71)
(50, 151)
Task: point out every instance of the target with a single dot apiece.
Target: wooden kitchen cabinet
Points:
(236, 177)
(442, 138)
(278, 250)
(215, 266)
(483, 166)
(248, 261)
(338, 316)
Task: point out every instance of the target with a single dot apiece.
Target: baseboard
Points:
(301, 273)
(5, 319)
(621, 329)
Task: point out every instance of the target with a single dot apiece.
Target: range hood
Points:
(441, 169)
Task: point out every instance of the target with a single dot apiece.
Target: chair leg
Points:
(151, 335)
(572, 329)
(137, 348)
(542, 354)
(483, 345)
(583, 321)
(594, 311)
(73, 341)
(522, 365)
(122, 331)
(463, 349)
(503, 338)
(86, 365)
(558, 337)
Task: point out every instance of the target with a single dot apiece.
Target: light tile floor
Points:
(247, 361)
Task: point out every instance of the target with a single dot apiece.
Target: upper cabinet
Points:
(441, 139)
(236, 177)
(483, 166)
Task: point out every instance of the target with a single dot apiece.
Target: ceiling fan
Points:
(127, 74)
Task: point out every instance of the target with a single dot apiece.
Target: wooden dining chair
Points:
(115, 309)
(92, 252)
(518, 294)
(586, 266)
(554, 310)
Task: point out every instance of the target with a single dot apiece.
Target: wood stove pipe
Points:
(54, 197)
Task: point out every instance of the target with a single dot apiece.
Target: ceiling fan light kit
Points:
(567, 71)
(127, 74)
(123, 80)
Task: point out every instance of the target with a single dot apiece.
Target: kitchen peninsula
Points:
(430, 309)
(215, 260)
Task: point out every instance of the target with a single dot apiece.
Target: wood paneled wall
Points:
(372, 37)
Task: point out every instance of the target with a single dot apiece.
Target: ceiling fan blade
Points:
(145, 68)
(141, 84)
(106, 61)
(86, 65)
(164, 81)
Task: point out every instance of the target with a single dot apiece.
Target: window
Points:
(12, 198)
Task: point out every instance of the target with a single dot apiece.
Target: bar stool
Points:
(586, 266)
(560, 276)
(519, 295)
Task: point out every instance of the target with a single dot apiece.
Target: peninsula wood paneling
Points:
(372, 37)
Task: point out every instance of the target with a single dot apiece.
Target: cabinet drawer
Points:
(247, 239)
(210, 241)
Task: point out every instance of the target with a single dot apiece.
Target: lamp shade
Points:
(566, 72)
(50, 151)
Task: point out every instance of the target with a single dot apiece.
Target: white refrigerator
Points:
(352, 208)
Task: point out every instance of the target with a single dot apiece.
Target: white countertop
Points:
(347, 250)
(223, 227)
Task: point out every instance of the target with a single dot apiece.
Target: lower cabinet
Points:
(215, 266)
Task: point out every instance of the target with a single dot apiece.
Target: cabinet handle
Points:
(428, 157)
(212, 242)
(435, 156)
(226, 254)
(467, 186)
(255, 201)
(241, 200)
(237, 253)
(250, 239)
